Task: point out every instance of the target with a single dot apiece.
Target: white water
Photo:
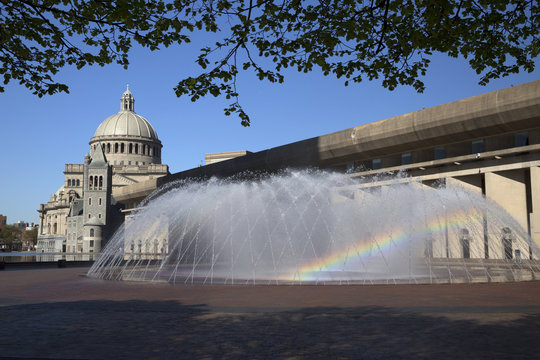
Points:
(317, 227)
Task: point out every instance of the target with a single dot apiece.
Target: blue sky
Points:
(40, 135)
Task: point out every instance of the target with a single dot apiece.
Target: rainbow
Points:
(383, 241)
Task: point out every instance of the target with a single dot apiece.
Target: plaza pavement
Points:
(61, 314)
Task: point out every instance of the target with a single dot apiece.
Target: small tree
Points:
(30, 236)
(9, 233)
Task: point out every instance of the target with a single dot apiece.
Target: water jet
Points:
(316, 227)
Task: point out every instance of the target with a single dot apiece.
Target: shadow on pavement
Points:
(167, 329)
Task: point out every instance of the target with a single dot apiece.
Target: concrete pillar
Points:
(534, 216)
(507, 189)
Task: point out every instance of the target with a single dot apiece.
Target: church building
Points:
(84, 213)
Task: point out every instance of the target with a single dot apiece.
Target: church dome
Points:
(126, 122)
(127, 138)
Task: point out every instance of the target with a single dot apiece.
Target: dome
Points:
(127, 138)
(126, 123)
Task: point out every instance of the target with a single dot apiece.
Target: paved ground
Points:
(57, 313)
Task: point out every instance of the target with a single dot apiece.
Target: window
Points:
(507, 242)
(376, 164)
(92, 241)
(91, 235)
(89, 201)
(78, 182)
(136, 148)
(100, 182)
(99, 201)
(465, 244)
(99, 216)
(108, 147)
(521, 139)
(349, 168)
(89, 215)
(477, 146)
(406, 159)
(130, 148)
(69, 182)
(129, 162)
(116, 147)
(90, 182)
(144, 149)
(439, 153)
(122, 148)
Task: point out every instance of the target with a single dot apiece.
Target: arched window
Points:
(100, 182)
(115, 148)
(99, 201)
(122, 147)
(130, 148)
(465, 243)
(78, 182)
(108, 147)
(136, 148)
(90, 182)
(144, 149)
(507, 242)
(69, 182)
(91, 232)
(55, 228)
(89, 201)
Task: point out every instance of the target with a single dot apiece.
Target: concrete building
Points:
(83, 212)
(488, 143)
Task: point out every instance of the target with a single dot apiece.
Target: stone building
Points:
(81, 215)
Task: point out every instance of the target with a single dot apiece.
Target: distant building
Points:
(83, 213)
(3, 221)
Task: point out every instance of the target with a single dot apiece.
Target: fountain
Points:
(315, 227)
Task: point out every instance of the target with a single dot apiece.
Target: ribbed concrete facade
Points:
(488, 143)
